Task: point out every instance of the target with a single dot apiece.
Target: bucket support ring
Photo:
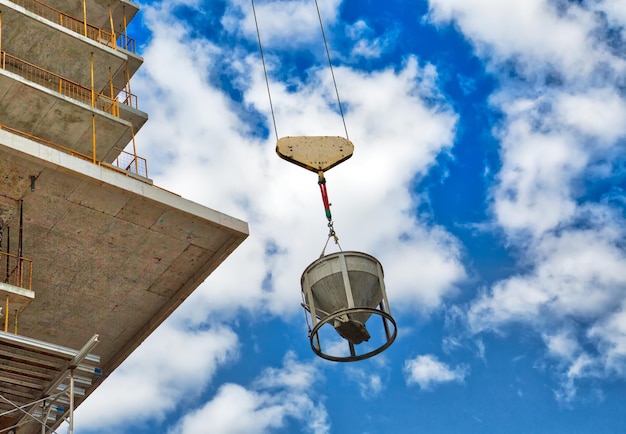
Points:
(353, 357)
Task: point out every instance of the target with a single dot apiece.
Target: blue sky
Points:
(488, 178)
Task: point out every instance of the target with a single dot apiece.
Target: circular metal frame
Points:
(353, 358)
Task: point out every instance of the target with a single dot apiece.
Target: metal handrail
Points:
(13, 269)
(76, 25)
(126, 97)
(58, 83)
(64, 86)
(132, 164)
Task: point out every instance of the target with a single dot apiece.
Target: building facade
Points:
(88, 245)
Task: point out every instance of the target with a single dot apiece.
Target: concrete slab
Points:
(57, 49)
(98, 11)
(64, 121)
(111, 255)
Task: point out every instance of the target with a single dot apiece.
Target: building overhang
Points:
(111, 255)
(28, 38)
(65, 121)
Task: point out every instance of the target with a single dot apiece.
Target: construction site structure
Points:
(93, 256)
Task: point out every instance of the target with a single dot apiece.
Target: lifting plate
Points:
(315, 153)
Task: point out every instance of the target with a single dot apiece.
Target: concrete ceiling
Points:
(64, 121)
(55, 48)
(111, 255)
(98, 11)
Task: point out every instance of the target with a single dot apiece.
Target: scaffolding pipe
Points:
(132, 132)
(20, 244)
(43, 417)
(111, 83)
(71, 429)
(93, 138)
(125, 34)
(85, 16)
(128, 81)
(6, 278)
(124, 30)
(93, 84)
(112, 30)
(93, 116)
(6, 315)
(1, 235)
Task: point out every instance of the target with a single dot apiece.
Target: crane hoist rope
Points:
(315, 153)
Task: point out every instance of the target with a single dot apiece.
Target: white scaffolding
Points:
(41, 382)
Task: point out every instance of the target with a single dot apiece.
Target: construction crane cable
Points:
(267, 81)
(332, 72)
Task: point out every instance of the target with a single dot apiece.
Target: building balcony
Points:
(128, 163)
(15, 270)
(65, 46)
(112, 255)
(100, 13)
(41, 104)
(107, 37)
(16, 280)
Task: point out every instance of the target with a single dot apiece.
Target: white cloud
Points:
(205, 144)
(562, 344)
(579, 273)
(577, 278)
(282, 23)
(562, 124)
(549, 37)
(237, 410)
(366, 44)
(610, 333)
(534, 182)
(581, 366)
(427, 371)
(598, 113)
(615, 11)
(371, 380)
(293, 375)
(170, 367)
(397, 135)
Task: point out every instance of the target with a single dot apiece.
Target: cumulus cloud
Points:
(560, 38)
(235, 409)
(427, 371)
(284, 24)
(366, 43)
(210, 137)
(201, 137)
(610, 334)
(562, 127)
(371, 381)
(208, 142)
(172, 366)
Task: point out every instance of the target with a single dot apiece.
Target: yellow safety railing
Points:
(16, 271)
(131, 163)
(76, 25)
(125, 97)
(127, 164)
(64, 86)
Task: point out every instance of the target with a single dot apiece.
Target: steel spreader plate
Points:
(315, 153)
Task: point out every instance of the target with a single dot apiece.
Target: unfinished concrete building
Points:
(88, 245)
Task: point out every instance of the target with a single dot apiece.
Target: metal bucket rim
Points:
(337, 254)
